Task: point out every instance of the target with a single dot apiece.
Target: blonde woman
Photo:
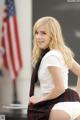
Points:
(52, 60)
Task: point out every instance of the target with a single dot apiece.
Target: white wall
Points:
(25, 24)
(23, 9)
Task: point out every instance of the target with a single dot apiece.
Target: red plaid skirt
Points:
(41, 110)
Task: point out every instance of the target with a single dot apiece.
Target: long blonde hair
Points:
(57, 40)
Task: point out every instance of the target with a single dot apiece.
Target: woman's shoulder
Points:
(53, 52)
(54, 58)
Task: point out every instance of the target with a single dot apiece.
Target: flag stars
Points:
(11, 8)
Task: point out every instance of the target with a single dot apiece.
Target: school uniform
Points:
(69, 101)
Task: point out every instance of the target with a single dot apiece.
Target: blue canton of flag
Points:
(10, 7)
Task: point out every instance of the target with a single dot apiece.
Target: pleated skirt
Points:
(41, 110)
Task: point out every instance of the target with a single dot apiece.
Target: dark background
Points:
(68, 14)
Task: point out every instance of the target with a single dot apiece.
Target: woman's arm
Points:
(58, 83)
(78, 86)
(76, 70)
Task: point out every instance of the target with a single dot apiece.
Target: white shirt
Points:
(55, 58)
(52, 58)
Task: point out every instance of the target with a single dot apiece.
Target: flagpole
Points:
(15, 100)
(15, 97)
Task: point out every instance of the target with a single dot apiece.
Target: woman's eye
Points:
(36, 32)
(42, 32)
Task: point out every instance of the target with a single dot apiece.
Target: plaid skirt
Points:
(41, 110)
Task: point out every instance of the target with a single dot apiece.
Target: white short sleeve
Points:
(53, 61)
(54, 58)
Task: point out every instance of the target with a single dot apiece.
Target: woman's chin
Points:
(42, 47)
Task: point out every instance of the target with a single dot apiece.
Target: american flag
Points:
(10, 40)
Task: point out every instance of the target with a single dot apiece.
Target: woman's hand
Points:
(33, 100)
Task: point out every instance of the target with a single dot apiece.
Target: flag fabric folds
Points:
(10, 40)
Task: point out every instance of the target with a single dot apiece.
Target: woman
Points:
(52, 60)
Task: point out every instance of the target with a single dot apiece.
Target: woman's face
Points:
(42, 37)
